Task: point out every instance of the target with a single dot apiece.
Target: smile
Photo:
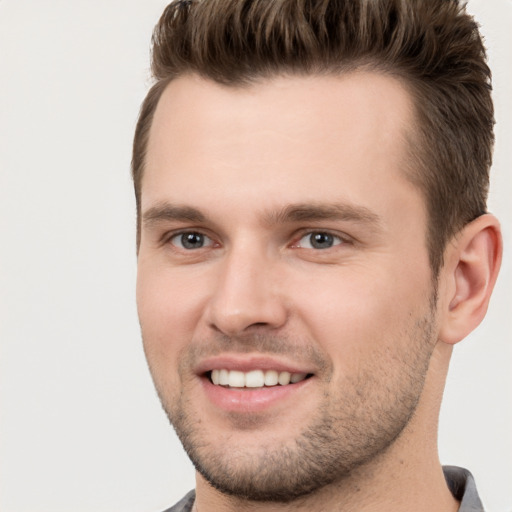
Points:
(254, 378)
(250, 384)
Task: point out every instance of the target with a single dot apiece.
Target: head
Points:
(309, 177)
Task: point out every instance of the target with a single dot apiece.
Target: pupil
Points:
(192, 240)
(321, 240)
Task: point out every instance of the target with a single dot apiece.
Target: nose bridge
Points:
(247, 291)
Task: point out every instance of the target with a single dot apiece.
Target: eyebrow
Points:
(169, 212)
(302, 212)
(311, 212)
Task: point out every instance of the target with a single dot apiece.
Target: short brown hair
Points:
(432, 46)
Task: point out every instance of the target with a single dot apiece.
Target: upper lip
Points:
(247, 363)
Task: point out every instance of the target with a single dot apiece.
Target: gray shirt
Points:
(459, 480)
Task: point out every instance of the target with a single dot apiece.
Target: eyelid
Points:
(342, 237)
(170, 235)
(207, 241)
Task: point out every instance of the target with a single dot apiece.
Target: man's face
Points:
(281, 240)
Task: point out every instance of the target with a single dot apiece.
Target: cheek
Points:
(357, 314)
(168, 309)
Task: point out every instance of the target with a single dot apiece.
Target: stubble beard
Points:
(351, 428)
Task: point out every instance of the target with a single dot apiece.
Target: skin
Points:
(255, 171)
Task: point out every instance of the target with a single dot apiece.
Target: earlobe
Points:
(472, 263)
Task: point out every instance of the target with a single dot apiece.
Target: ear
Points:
(472, 262)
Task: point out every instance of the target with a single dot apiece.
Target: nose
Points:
(247, 294)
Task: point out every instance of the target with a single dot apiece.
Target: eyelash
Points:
(169, 239)
(339, 239)
(336, 238)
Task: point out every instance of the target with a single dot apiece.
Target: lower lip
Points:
(248, 399)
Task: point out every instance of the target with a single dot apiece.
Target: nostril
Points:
(237, 307)
(259, 324)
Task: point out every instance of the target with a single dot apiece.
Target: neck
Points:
(408, 476)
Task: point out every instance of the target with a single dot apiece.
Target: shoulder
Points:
(185, 504)
(463, 487)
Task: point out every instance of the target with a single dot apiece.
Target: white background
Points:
(81, 428)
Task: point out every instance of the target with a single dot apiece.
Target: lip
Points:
(251, 400)
(247, 363)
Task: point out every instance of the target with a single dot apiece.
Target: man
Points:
(311, 180)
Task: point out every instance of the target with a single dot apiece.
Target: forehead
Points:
(287, 138)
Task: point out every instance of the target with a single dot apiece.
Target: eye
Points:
(319, 240)
(191, 240)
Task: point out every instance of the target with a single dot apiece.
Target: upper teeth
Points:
(255, 378)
